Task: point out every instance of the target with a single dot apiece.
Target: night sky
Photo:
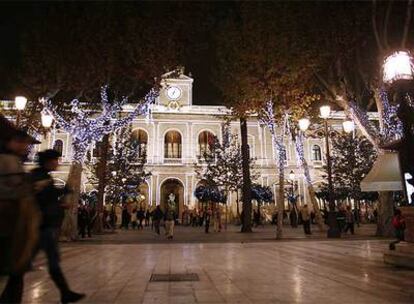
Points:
(198, 25)
(16, 18)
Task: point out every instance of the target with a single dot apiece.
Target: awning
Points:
(384, 175)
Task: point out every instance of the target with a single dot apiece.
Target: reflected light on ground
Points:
(298, 284)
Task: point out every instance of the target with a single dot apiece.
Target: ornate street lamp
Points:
(47, 119)
(304, 124)
(333, 231)
(398, 74)
(398, 66)
(20, 104)
(348, 126)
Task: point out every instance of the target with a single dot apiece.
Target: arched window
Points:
(316, 153)
(172, 145)
(58, 146)
(205, 142)
(140, 140)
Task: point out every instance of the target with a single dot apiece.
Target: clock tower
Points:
(176, 91)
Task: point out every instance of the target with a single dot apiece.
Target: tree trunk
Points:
(237, 205)
(385, 213)
(301, 158)
(102, 167)
(247, 184)
(280, 203)
(70, 222)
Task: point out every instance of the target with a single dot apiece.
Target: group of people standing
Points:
(206, 217)
(31, 213)
(136, 218)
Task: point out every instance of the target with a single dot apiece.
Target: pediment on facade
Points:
(177, 76)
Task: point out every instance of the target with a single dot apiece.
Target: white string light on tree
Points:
(85, 129)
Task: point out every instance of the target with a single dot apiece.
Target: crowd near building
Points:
(177, 134)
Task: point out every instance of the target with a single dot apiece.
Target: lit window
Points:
(205, 142)
(172, 145)
(140, 140)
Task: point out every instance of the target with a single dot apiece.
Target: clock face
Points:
(174, 92)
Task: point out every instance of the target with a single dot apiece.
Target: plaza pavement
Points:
(295, 271)
(185, 234)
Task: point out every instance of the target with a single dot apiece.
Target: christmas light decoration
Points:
(300, 157)
(392, 125)
(269, 120)
(361, 119)
(85, 129)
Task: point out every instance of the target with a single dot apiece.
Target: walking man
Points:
(48, 199)
(207, 220)
(349, 220)
(305, 214)
(157, 215)
(169, 222)
(19, 217)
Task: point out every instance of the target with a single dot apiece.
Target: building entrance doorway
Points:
(172, 194)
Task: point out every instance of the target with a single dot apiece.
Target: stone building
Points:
(175, 137)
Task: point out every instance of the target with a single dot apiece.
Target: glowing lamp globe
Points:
(349, 126)
(325, 111)
(20, 102)
(292, 175)
(47, 120)
(304, 124)
(398, 66)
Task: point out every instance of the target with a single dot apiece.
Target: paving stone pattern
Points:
(340, 271)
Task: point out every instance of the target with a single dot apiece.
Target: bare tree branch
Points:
(374, 25)
(387, 18)
(407, 23)
(329, 88)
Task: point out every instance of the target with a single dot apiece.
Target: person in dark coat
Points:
(19, 217)
(157, 216)
(83, 220)
(48, 199)
(147, 217)
(125, 217)
(140, 217)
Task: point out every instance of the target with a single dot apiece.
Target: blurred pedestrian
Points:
(305, 215)
(349, 220)
(140, 218)
(169, 222)
(217, 220)
(48, 197)
(82, 220)
(134, 219)
(207, 220)
(156, 218)
(398, 222)
(147, 217)
(19, 216)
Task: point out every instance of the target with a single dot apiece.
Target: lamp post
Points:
(47, 119)
(292, 179)
(292, 193)
(398, 74)
(20, 104)
(333, 231)
(348, 126)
